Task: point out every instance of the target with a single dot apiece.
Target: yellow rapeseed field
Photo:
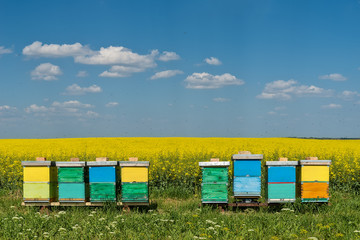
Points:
(176, 160)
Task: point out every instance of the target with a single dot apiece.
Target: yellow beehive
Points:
(134, 174)
(40, 178)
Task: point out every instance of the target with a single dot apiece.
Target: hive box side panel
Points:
(212, 174)
(134, 192)
(314, 190)
(102, 192)
(211, 192)
(74, 191)
(247, 186)
(250, 168)
(102, 174)
(315, 173)
(71, 174)
(134, 174)
(282, 191)
(37, 174)
(37, 191)
(282, 174)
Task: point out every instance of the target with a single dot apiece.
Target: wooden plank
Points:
(134, 164)
(247, 186)
(282, 174)
(39, 190)
(214, 164)
(247, 156)
(134, 192)
(282, 191)
(248, 168)
(314, 190)
(212, 175)
(70, 164)
(212, 192)
(37, 163)
(71, 174)
(247, 204)
(134, 174)
(102, 192)
(102, 174)
(282, 163)
(315, 173)
(37, 174)
(315, 162)
(72, 191)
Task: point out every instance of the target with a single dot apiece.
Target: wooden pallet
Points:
(253, 204)
(82, 204)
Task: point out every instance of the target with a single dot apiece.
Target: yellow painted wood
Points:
(315, 173)
(37, 190)
(134, 174)
(36, 174)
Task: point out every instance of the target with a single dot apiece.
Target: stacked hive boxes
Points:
(281, 181)
(102, 180)
(315, 180)
(39, 181)
(134, 181)
(72, 181)
(214, 181)
(247, 175)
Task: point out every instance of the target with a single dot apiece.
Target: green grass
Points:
(178, 216)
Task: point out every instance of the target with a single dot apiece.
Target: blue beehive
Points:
(281, 181)
(247, 175)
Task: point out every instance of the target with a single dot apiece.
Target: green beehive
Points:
(215, 179)
(72, 181)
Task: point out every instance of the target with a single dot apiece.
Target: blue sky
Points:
(186, 68)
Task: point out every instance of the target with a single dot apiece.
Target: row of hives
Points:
(76, 182)
(286, 180)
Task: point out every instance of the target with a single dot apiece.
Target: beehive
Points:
(134, 181)
(40, 181)
(315, 180)
(215, 180)
(247, 175)
(102, 180)
(281, 177)
(72, 181)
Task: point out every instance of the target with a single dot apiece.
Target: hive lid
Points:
(246, 156)
(70, 164)
(134, 163)
(214, 164)
(37, 163)
(282, 163)
(315, 162)
(101, 163)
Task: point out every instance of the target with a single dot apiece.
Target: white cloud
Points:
(168, 56)
(77, 90)
(37, 49)
(349, 95)
(208, 81)
(71, 108)
(4, 50)
(332, 106)
(333, 76)
(71, 104)
(213, 61)
(37, 109)
(166, 74)
(112, 104)
(46, 71)
(92, 114)
(121, 71)
(272, 113)
(220, 99)
(118, 56)
(284, 90)
(7, 108)
(82, 74)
